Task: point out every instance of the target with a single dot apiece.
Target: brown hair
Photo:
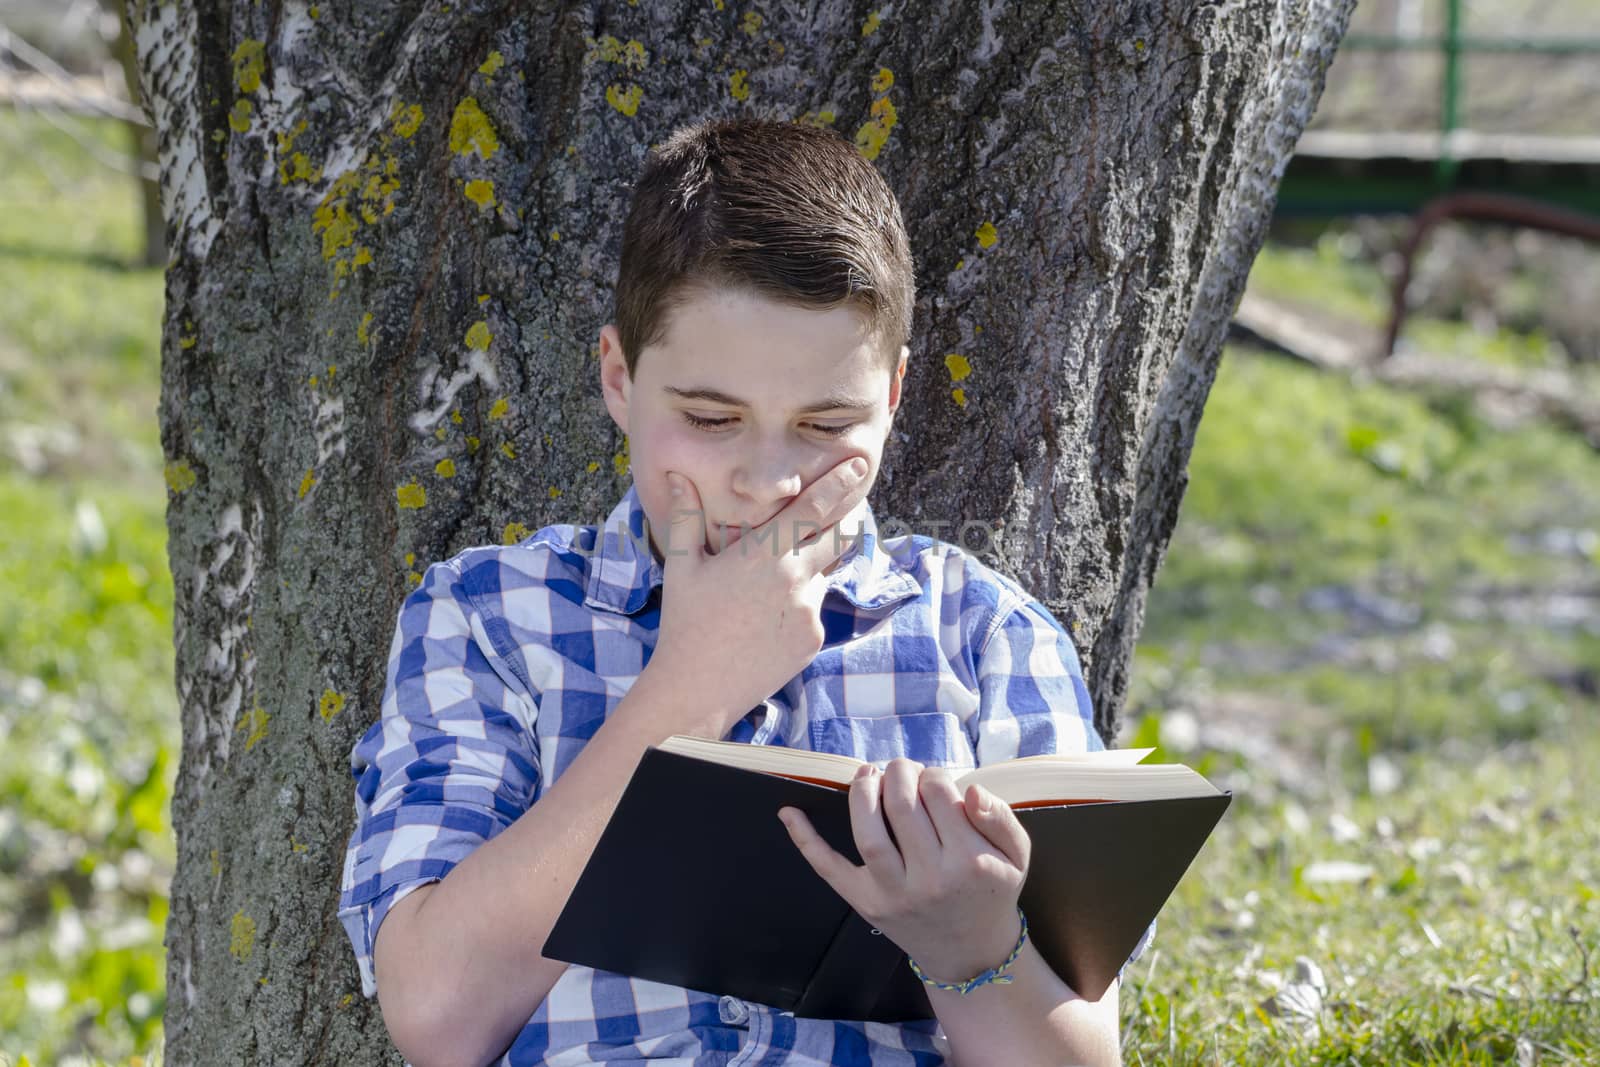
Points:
(788, 211)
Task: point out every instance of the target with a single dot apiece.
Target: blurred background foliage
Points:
(1378, 622)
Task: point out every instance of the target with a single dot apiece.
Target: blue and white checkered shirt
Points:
(506, 660)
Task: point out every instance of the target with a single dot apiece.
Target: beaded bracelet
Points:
(997, 975)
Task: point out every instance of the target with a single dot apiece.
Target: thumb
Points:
(686, 532)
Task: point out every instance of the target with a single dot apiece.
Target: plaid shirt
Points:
(506, 660)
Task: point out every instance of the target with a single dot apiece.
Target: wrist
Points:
(654, 707)
(995, 953)
(663, 703)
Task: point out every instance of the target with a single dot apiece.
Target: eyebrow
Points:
(831, 402)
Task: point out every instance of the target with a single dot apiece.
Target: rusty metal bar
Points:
(1478, 207)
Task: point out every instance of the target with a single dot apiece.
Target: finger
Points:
(870, 832)
(686, 524)
(994, 819)
(946, 810)
(919, 844)
(833, 541)
(830, 866)
(818, 507)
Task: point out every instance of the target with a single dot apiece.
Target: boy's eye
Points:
(705, 424)
(835, 430)
(827, 429)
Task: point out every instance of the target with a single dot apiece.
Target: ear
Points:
(615, 383)
(895, 380)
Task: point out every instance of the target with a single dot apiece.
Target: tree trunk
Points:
(395, 229)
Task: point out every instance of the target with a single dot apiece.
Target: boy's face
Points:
(751, 400)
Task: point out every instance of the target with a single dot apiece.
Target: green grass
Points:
(79, 331)
(1303, 483)
(1305, 488)
(1470, 933)
(1324, 278)
(88, 716)
(1443, 750)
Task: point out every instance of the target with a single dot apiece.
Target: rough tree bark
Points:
(394, 228)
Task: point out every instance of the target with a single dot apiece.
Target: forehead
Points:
(752, 346)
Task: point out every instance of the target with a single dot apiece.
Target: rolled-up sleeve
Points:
(1033, 699)
(451, 761)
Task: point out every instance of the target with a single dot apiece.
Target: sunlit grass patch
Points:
(88, 717)
(1452, 919)
(1399, 563)
(79, 323)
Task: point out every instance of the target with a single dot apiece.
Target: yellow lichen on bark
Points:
(411, 495)
(255, 722)
(249, 60)
(608, 49)
(471, 131)
(406, 118)
(882, 116)
(178, 475)
(241, 936)
(331, 704)
(626, 101)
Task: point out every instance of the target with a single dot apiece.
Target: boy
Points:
(763, 305)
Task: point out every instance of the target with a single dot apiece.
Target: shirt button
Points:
(732, 1010)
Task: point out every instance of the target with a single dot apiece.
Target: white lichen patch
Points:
(479, 368)
(164, 41)
(328, 424)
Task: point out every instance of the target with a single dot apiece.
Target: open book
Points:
(1026, 782)
(694, 881)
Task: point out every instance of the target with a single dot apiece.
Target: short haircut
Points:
(784, 210)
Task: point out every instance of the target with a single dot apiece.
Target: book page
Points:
(1115, 774)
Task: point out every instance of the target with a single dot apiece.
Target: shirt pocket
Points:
(932, 738)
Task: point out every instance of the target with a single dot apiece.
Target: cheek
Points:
(661, 449)
(682, 449)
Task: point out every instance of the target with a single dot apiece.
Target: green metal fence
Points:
(1347, 171)
(1453, 45)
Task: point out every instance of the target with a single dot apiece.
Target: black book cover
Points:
(694, 882)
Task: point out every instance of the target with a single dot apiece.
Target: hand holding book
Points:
(945, 887)
(741, 911)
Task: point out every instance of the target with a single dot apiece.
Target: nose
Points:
(768, 473)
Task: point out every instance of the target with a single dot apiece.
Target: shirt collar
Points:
(625, 571)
